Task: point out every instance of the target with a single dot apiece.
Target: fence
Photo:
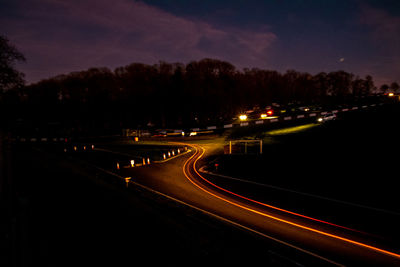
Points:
(244, 147)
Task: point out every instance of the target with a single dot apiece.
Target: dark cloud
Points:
(60, 36)
(65, 36)
(384, 32)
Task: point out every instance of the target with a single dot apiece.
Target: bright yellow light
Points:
(193, 134)
(391, 94)
(164, 157)
(263, 116)
(183, 133)
(136, 139)
(148, 160)
(243, 117)
(320, 119)
(132, 163)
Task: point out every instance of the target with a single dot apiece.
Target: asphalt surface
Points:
(328, 244)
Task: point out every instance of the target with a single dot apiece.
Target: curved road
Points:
(325, 242)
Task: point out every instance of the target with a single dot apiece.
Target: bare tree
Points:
(9, 76)
(384, 88)
(395, 87)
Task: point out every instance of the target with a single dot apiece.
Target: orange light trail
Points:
(264, 204)
(276, 218)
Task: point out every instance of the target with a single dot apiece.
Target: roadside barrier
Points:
(211, 129)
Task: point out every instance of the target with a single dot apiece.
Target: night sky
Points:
(56, 36)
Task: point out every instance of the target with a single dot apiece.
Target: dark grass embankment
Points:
(353, 158)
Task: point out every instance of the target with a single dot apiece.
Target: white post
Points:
(127, 181)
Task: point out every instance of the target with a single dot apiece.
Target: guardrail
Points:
(251, 122)
(212, 128)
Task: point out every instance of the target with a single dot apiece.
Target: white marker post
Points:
(127, 181)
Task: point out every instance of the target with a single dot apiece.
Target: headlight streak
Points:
(273, 217)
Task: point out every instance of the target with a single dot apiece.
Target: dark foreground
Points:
(66, 213)
(62, 211)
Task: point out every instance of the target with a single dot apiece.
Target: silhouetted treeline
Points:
(202, 92)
